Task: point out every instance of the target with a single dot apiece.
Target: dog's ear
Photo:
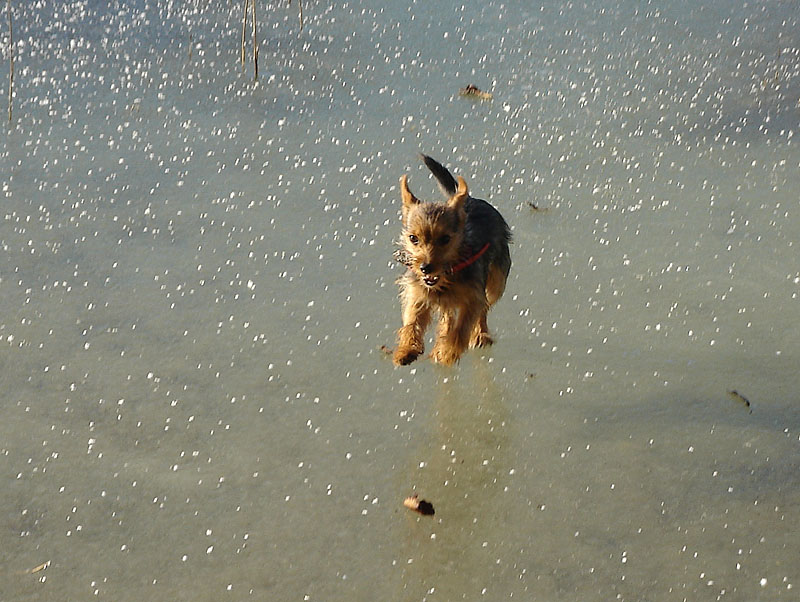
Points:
(409, 200)
(462, 192)
(407, 195)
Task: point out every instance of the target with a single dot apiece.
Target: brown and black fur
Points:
(458, 262)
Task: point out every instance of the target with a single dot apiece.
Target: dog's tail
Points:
(447, 182)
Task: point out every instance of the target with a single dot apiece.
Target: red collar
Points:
(469, 261)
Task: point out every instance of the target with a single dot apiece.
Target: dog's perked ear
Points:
(409, 200)
(462, 192)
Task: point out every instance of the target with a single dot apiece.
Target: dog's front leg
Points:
(441, 349)
(411, 337)
(454, 335)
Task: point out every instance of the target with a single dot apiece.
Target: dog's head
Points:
(433, 234)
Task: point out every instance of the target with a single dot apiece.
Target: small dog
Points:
(458, 262)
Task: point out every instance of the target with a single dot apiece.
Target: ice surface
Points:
(196, 281)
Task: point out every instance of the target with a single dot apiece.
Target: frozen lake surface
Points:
(196, 280)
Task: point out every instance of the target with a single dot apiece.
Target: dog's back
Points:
(484, 224)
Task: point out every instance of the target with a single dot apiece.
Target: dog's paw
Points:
(482, 339)
(444, 355)
(403, 357)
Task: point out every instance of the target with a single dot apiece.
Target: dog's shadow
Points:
(462, 470)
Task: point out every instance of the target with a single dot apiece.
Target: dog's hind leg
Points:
(480, 334)
(495, 286)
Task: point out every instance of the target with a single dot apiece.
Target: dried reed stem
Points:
(11, 61)
(244, 29)
(300, 4)
(255, 42)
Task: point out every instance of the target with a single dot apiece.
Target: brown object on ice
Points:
(418, 505)
(472, 90)
(735, 395)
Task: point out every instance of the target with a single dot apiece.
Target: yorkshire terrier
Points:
(458, 261)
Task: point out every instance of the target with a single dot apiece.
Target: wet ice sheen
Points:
(196, 278)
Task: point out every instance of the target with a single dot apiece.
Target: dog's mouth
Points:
(430, 281)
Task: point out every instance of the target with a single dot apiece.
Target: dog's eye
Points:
(414, 240)
(443, 240)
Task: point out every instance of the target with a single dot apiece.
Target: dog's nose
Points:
(425, 268)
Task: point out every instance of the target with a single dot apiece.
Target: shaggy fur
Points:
(458, 262)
